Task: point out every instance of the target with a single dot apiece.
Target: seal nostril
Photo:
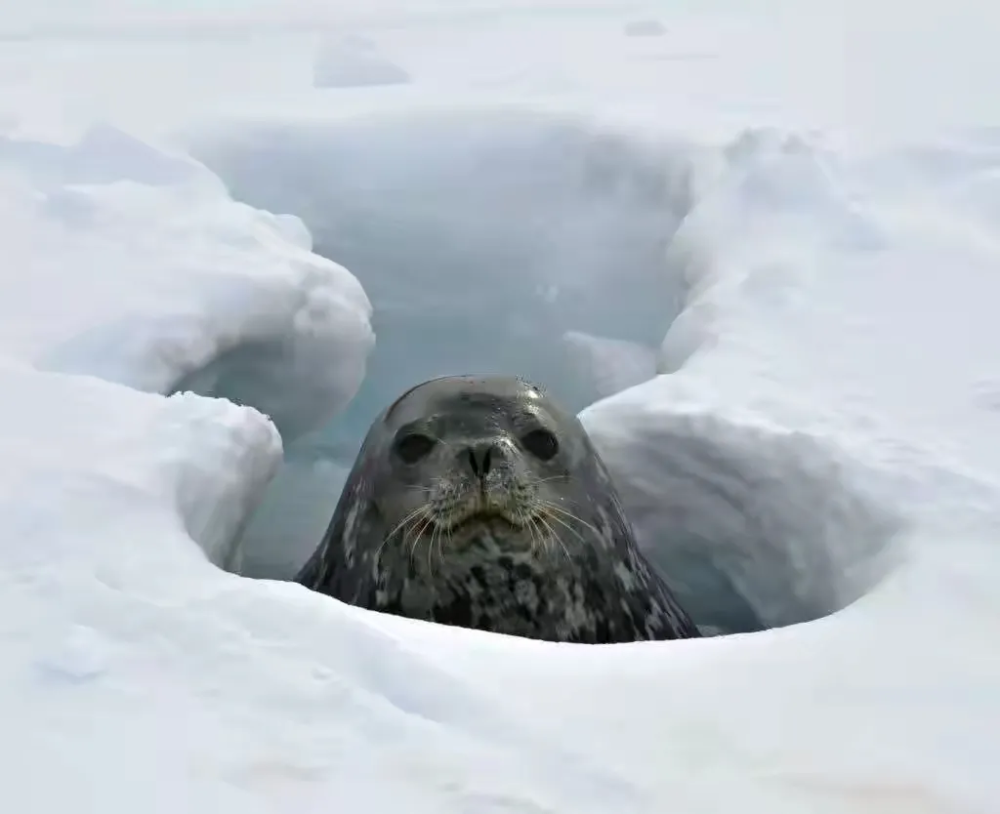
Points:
(480, 459)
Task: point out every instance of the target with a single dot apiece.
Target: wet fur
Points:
(521, 546)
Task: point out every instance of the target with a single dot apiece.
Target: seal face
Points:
(479, 502)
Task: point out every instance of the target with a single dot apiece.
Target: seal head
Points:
(479, 502)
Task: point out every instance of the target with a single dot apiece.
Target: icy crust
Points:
(139, 268)
(856, 713)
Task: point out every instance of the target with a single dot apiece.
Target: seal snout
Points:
(479, 457)
(484, 484)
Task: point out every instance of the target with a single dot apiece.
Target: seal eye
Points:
(541, 443)
(414, 446)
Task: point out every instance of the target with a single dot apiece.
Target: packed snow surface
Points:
(760, 262)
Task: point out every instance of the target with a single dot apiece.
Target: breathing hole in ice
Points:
(531, 244)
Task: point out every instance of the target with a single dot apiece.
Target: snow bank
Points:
(755, 526)
(231, 694)
(139, 268)
(353, 62)
(790, 449)
(144, 679)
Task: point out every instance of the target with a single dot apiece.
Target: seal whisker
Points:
(430, 550)
(545, 518)
(557, 519)
(535, 539)
(445, 533)
(539, 481)
(552, 538)
(545, 533)
(413, 546)
(434, 484)
(407, 524)
(420, 531)
(559, 510)
(422, 509)
(414, 529)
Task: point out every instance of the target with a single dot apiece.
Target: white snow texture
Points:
(780, 331)
(353, 62)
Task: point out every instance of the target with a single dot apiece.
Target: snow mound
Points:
(123, 509)
(219, 297)
(229, 693)
(354, 62)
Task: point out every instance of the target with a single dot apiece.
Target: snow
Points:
(800, 245)
(353, 62)
(181, 281)
(610, 365)
(644, 28)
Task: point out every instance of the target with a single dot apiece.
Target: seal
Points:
(479, 502)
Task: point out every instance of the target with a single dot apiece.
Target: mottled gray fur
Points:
(479, 502)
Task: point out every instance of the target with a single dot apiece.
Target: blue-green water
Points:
(480, 239)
